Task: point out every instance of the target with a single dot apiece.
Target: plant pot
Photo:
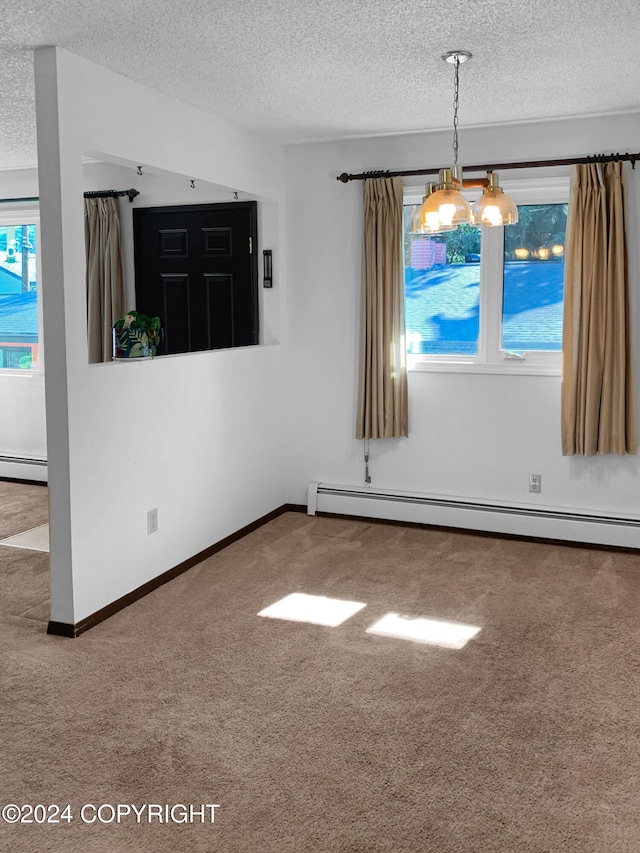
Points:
(132, 343)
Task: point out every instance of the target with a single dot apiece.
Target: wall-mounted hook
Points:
(139, 170)
(192, 185)
(235, 195)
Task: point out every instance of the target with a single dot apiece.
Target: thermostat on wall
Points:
(267, 264)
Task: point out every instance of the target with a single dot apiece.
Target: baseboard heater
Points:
(443, 511)
(23, 468)
(23, 460)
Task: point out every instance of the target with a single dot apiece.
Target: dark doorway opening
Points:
(196, 268)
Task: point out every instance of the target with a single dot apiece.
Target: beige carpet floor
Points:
(22, 506)
(333, 739)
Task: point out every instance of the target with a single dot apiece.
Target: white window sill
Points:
(23, 374)
(419, 364)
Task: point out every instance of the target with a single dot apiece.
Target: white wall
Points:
(473, 436)
(198, 436)
(22, 415)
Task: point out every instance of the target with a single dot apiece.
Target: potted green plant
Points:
(136, 336)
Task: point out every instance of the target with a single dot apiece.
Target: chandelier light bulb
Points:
(491, 215)
(446, 212)
(432, 221)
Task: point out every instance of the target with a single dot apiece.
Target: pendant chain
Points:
(456, 93)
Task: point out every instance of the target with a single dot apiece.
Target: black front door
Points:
(196, 269)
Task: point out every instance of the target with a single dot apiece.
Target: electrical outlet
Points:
(152, 521)
(535, 483)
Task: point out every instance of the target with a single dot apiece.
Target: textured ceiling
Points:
(302, 70)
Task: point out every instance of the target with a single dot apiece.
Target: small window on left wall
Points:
(20, 310)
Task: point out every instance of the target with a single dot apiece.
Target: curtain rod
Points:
(112, 193)
(92, 194)
(494, 167)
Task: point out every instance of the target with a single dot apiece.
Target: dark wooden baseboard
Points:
(25, 482)
(61, 629)
(64, 629)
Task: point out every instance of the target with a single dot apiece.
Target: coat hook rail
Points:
(494, 167)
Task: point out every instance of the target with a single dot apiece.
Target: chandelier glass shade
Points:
(426, 219)
(447, 203)
(494, 207)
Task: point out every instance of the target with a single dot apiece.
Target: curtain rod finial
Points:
(344, 177)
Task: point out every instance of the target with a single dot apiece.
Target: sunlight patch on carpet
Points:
(35, 539)
(434, 632)
(317, 609)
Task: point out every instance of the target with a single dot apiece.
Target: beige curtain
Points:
(382, 399)
(105, 275)
(598, 407)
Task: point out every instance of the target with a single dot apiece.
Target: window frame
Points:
(490, 358)
(27, 213)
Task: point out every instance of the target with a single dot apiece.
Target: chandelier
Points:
(444, 207)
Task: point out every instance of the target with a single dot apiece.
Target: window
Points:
(16, 358)
(442, 290)
(533, 279)
(20, 324)
(489, 299)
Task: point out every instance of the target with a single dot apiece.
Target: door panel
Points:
(220, 308)
(174, 304)
(196, 270)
